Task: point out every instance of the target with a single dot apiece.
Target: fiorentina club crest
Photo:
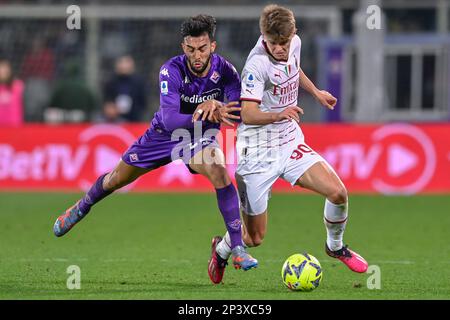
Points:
(134, 157)
(215, 77)
(235, 224)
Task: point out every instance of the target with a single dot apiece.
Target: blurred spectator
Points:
(68, 44)
(72, 100)
(37, 71)
(11, 91)
(125, 94)
(39, 61)
(114, 43)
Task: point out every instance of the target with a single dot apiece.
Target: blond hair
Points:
(277, 22)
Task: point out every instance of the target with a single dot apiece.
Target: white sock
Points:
(335, 219)
(223, 249)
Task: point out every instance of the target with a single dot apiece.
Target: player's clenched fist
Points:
(326, 99)
(290, 113)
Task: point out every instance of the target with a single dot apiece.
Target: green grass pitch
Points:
(156, 246)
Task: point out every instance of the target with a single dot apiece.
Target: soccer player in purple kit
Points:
(192, 90)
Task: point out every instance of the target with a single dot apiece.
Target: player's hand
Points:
(290, 113)
(205, 109)
(224, 113)
(326, 99)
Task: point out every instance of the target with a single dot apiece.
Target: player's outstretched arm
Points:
(216, 111)
(324, 97)
(252, 115)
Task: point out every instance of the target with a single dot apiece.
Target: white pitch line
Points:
(57, 260)
(394, 262)
(268, 261)
(122, 260)
(370, 262)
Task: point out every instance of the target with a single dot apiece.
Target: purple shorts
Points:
(155, 148)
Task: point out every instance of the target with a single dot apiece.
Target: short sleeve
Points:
(253, 79)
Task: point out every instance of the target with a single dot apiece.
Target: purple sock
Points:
(94, 195)
(228, 202)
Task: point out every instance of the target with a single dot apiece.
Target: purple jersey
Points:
(180, 94)
(181, 91)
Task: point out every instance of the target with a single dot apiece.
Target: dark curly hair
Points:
(196, 26)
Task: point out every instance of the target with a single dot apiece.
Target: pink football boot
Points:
(350, 258)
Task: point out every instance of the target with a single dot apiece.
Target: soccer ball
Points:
(301, 272)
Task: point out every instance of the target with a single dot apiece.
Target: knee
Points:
(338, 195)
(218, 175)
(256, 239)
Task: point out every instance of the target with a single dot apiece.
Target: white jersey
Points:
(277, 150)
(274, 85)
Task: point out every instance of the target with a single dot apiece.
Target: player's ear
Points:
(213, 46)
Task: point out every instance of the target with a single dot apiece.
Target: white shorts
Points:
(255, 188)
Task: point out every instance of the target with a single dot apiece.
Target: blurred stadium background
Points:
(106, 72)
(66, 119)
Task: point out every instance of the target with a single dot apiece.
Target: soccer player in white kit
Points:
(271, 144)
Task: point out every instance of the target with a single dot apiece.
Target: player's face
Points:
(280, 50)
(198, 50)
(5, 71)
